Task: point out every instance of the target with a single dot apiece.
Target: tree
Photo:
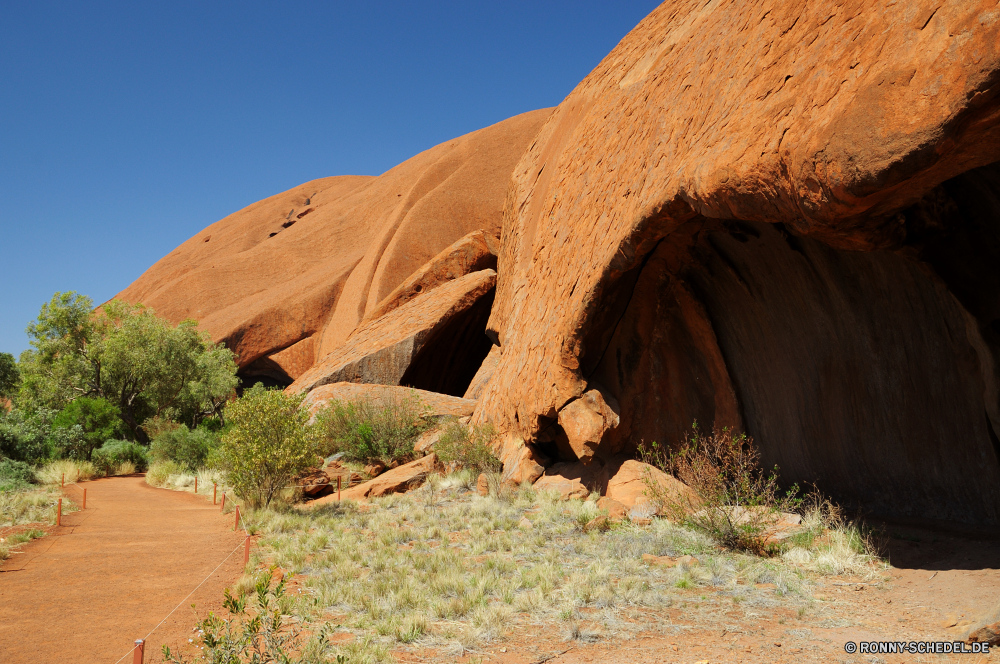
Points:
(10, 377)
(267, 444)
(97, 418)
(126, 355)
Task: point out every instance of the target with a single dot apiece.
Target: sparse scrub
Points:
(381, 429)
(15, 475)
(464, 447)
(736, 502)
(37, 506)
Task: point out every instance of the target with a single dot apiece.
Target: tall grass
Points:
(73, 471)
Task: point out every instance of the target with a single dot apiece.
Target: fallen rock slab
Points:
(382, 351)
(572, 480)
(397, 480)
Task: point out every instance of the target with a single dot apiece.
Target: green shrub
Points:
(736, 502)
(468, 447)
(188, 448)
(266, 445)
(114, 453)
(372, 428)
(97, 420)
(25, 436)
(15, 475)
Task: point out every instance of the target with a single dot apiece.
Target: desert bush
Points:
(190, 448)
(15, 475)
(467, 447)
(110, 456)
(73, 470)
(267, 444)
(26, 436)
(90, 422)
(736, 502)
(372, 428)
(256, 635)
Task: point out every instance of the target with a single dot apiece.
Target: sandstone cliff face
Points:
(286, 280)
(777, 217)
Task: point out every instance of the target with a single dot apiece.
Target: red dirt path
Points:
(86, 591)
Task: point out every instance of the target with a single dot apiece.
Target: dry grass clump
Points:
(37, 506)
(9, 543)
(461, 446)
(74, 471)
(828, 543)
(444, 567)
(172, 475)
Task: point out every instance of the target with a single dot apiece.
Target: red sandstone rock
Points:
(627, 483)
(988, 634)
(742, 217)
(384, 350)
(483, 485)
(483, 375)
(310, 262)
(586, 420)
(436, 405)
(522, 463)
(398, 480)
(573, 480)
(616, 510)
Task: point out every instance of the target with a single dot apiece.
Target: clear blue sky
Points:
(125, 128)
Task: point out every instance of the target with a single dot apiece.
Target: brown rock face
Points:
(776, 217)
(586, 420)
(293, 275)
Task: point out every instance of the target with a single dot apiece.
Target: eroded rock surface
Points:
(437, 404)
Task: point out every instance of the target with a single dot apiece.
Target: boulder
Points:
(627, 484)
(586, 420)
(987, 634)
(522, 462)
(374, 469)
(398, 480)
(425, 443)
(483, 485)
(307, 265)
(616, 510)
(314, 483)
(408, 344)
(572, 480)
(715, 228)
(437, 405)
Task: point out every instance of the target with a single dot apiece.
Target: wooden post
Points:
(246, 552)
(139, 651)
(236, 524)
(62, 482)
(84, 499)
(59, 513)
(215, 487)
(223, 508)
(196, 485)
(338, 488)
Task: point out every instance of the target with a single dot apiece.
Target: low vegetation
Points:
(460, 446)
(734, 501)
(372, 429)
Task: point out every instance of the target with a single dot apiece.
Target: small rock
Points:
(664, 561)
(483, 485)
(989, 634)
(640, 521)
(600, 523)
(374, 469)
(524, 524)
(616, 511)
(688, 561)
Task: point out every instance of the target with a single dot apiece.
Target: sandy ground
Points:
(112, 572)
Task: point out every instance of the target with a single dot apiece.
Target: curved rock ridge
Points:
(774, 216)
(286, 280)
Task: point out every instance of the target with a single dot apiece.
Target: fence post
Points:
(338, 488)
(246, 552)
(196, 485)
(62, 482)
(236, 524)
(59, 513)
(215, 488)
(223, 507)
(139, 651)
(84, 499)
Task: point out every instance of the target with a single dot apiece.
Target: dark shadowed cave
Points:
(873, 375)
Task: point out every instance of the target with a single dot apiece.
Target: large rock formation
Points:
(286, 280)
(779, 217)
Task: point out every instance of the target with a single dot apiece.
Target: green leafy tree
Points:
(27, 436)
(10, 377)
(126, 355)
(98, 420)
(267, 443)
